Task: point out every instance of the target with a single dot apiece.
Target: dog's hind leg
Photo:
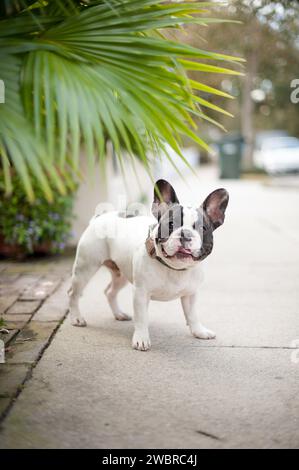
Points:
(118, 281)
(88, 261)
(82, 273)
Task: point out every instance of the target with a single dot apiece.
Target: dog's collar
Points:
(151, 249)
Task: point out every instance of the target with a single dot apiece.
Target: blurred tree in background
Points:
(269, 40)
(80, 72)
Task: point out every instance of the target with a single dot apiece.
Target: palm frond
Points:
(80, 73)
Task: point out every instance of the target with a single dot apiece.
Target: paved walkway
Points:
(90, 389)
(33, 303)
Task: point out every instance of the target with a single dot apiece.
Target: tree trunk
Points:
(247, 111)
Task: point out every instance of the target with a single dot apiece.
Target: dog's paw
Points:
(121, 316)
(78, 321)
(203, 333)
(141, 342)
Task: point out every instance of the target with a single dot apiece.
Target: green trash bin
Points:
(230, 156)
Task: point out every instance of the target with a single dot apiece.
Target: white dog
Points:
(159, 255)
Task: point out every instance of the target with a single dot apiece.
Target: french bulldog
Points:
(159, 254)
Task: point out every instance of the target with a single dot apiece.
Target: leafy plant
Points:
(81, 72)
(31, 225)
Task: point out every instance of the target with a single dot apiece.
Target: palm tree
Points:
(81, 72)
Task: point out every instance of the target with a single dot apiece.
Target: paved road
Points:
(240, 390)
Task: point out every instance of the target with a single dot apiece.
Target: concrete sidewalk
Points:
(241, 390)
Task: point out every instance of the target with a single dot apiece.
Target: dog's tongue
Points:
(184, 250)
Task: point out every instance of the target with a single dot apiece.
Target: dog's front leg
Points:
(190, 308)
(141, 339)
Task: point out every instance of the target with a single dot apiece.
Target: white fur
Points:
(190, 216)
(109, 237)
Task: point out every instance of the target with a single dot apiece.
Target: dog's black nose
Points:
(186, 236)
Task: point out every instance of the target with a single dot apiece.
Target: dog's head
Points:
(184, 235)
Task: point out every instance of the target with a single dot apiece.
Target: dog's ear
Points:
(215, 205)
(164, 196)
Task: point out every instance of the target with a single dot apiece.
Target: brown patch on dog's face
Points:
(171, 220)
(205, 229)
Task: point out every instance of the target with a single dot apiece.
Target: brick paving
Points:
(33, 303)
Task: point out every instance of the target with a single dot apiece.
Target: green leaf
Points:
(82, 73)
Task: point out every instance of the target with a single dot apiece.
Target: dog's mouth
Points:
(181, 253)
(184, 253)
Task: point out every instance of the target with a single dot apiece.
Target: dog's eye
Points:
(196, 227)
